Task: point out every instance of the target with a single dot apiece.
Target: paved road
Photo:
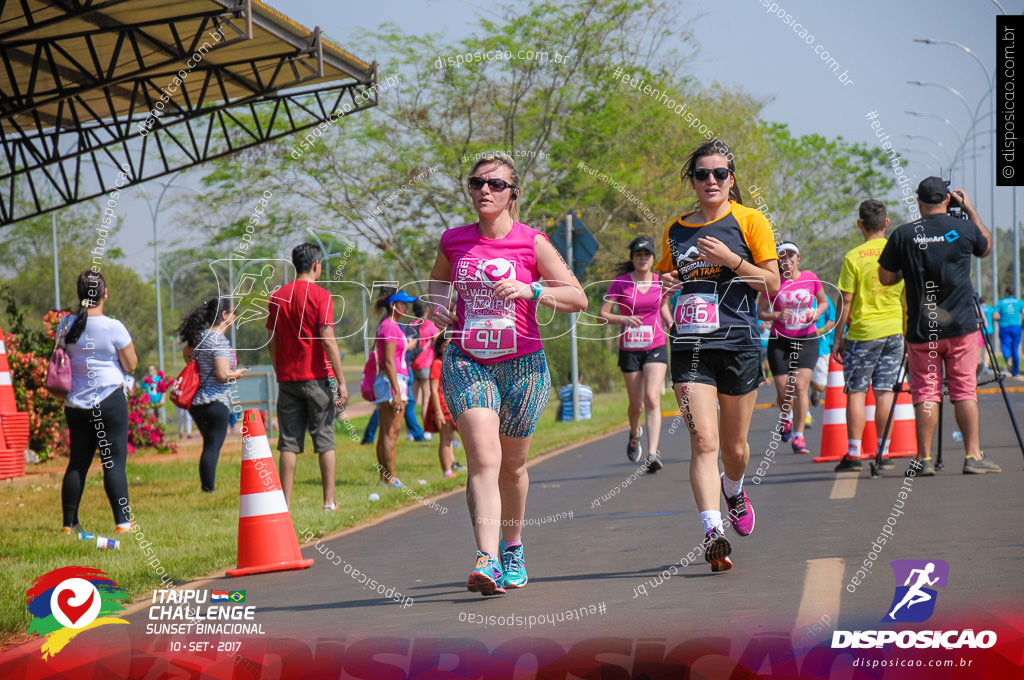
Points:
(789, 579)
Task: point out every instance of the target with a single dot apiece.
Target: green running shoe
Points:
(513, 564)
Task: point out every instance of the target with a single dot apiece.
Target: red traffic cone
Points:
(903, 433)
(833, 429)
(266, 537)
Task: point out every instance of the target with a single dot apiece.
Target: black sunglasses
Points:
(721, 174)
(477, 183)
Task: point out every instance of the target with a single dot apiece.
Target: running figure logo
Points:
(914, 601)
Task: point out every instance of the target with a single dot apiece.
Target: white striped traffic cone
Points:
(7, 403)
(266, 538)
(833, 427)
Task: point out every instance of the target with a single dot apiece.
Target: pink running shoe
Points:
(741, 512)
(800, 444)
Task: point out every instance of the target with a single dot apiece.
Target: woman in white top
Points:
(102, 353)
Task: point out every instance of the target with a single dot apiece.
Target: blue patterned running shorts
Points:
(517, 389)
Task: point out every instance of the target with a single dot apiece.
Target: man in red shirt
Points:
(302, 345)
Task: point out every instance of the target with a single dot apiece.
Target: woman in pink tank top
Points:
(495, 377)
(643, 312)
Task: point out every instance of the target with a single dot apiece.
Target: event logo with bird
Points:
(70, 600)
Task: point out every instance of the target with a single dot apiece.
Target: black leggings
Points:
(212, 420)
(106, 428)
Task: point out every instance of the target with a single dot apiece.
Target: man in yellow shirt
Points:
(869, 336)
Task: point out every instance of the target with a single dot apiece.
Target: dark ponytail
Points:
(91, 287)
(382, 305)
(203, 316)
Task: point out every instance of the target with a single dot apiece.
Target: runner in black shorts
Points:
(718, 258)
(642, 312)
(793, 346)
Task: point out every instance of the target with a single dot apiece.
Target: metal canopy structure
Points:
(154, 87)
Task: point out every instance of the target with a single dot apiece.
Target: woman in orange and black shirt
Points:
(718, 258)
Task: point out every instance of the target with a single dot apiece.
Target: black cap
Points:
(642, 244)
(932, 190)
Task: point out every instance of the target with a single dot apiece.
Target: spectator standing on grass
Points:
(422, 356)
(154, 385)
(302, 346)
(793, 347)
(424, 328)
(102, 354)
(1009, 309)
(989, 312)
(933, 256)
(204, 334)
(437, 418)
(391, 387)
(869, 343)
(585, 397)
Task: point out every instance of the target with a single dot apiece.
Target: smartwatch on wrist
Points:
(537, 288)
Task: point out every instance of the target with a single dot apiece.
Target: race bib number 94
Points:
(489, 338)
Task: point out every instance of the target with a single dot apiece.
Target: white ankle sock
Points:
(711, 519)
(730, 487)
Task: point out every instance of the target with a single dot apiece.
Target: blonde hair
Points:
(501, 158)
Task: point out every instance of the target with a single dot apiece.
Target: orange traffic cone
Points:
(833, 428)
(903, 433)
(266, 538)
(869, 437)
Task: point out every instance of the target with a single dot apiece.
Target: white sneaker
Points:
(428, 436)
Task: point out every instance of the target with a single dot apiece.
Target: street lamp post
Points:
(154, 214)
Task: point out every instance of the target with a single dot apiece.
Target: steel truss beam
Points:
(132, 107)
(37, 178)
(74, 58)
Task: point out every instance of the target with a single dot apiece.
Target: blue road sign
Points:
(584, 245)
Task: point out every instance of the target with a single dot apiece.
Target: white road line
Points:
(845, 486)
(819, 603)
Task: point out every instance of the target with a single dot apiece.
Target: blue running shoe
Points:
(513, 563)
(486, 577)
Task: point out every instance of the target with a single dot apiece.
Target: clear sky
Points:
(741, 43)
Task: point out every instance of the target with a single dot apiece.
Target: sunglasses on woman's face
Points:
(721, 174)
(477, 183)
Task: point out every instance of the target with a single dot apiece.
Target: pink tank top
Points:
(796, 295)
(626, 293)
(487, 328)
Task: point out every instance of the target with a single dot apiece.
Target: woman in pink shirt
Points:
(793, 346)
(495, 377)
(643, 355)
(391, 388)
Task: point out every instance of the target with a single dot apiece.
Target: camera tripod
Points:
(998, 376)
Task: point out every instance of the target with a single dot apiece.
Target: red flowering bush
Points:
(144, 428)
(47, 430)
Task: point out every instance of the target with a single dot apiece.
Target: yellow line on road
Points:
(819, 603)
(845, 486)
